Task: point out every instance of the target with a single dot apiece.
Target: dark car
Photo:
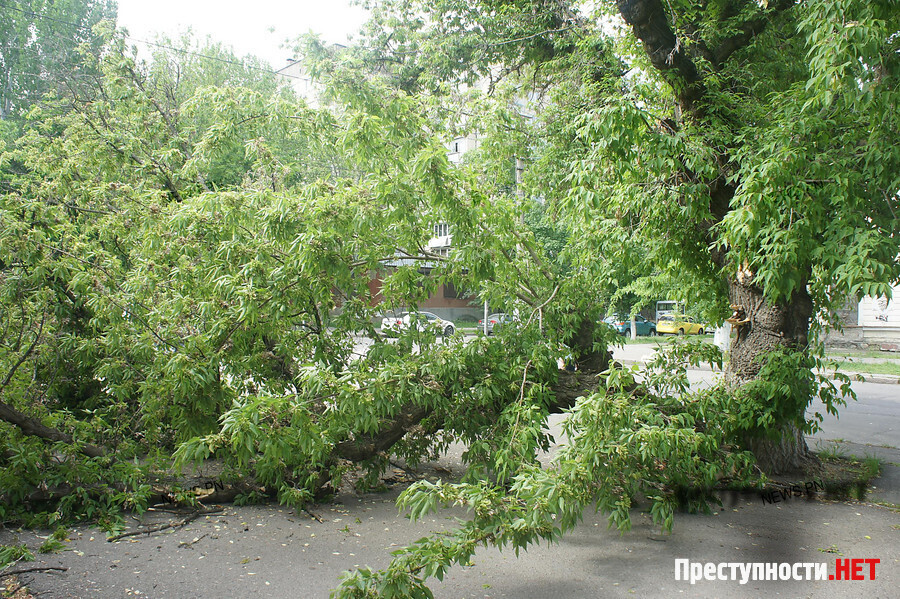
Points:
(623, 325)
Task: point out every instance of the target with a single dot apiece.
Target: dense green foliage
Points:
(657, 439)
(721, 152)
(103, 242)
(779, 112)
(186, 271)
(192, 259)
(42, 47)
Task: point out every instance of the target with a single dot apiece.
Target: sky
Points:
(257, 27)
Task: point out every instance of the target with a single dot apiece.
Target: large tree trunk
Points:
(769, 327)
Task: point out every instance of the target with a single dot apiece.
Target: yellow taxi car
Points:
(679, 324)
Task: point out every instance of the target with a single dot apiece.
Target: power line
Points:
(76, 26)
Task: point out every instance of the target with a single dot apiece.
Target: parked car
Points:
(422, 321)
(676, 324)
(495, 320)
(623, 325)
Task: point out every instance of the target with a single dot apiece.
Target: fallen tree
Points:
(178, 320)
(205, 263)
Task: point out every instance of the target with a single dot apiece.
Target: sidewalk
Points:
(640, 353)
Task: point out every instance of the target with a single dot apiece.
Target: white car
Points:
(423, 321)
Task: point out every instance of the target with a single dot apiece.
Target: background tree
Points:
(763, 192)
(41, 47)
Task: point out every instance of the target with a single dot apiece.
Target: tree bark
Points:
(785, 453)
(650, 24)
(34, 427)
(769, 328)
(572, 385)
(365, 447)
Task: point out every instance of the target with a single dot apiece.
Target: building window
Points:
(441, 230)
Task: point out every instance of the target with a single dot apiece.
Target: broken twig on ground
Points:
(167, 526)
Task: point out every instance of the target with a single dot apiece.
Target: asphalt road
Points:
(873, 419)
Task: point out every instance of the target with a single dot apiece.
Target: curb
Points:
(881, 379)
(884, 379)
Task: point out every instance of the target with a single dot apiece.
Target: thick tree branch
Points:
(651, 25)
(649, 22)
(25, 354)
(364, 447)
(33, 427)
(568, 387)
(749, 30)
